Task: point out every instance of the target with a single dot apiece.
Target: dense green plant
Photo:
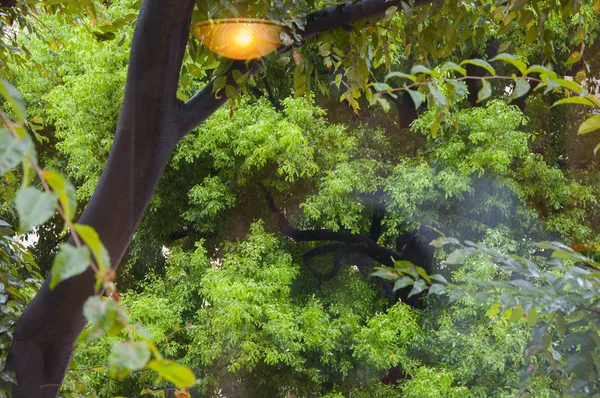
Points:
(557, 295)
(249, 316)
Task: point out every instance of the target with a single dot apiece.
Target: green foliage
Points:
(255, 318)
(433, 383)
(13, 151)
(78, 91)
(558, 298)
(488, 159)
(250, 324)
(65, 191)
(470, 343)
(249, 316)
(19, 280)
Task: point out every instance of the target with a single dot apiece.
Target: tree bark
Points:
(151, 123)
(148, 130)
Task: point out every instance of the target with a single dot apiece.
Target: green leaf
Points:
(127, 357)
(406, 267)
(532, 317)
(457, 257)
(385, 104)
(453, 66)
(231, 92)
(417, 97)
(418, 287)
(481, 63)
(570, 85)
(560, 322)
(403, 282)
(224, 67)
(300, 83)
(574, 100)
(69, 261)
(516, 314)
(591, 124)
(494, 310)
(459, 89)
(522, 87)
(177, 374)
(423, 274)
(12, 150)
(218, 85)
(420, 69)
(439, 278)
(34, 207)
(381, 86)
(574, 58)
(386, 273)
(92, 240)
(104, 315)
(65, 191)
(577, 363)
(439, 99)
(437, 288)
(485, 92)
(400, 75)
(542, 70)
(511, 59)
(10, 93)
(504, 46)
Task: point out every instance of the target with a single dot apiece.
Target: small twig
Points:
(594, 310)
(416, 84)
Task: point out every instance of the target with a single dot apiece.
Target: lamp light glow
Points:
(241, 38)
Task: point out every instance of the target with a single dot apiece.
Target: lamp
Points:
(241, 38)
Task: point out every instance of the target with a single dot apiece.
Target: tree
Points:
(40, 353)
(142, 148)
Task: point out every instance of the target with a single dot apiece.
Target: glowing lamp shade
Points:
(240, 38)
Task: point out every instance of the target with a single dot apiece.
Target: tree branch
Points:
(203, 104)
(376, 227)
(349, 13)
(6, 4)
(320, 251)
(378, 253)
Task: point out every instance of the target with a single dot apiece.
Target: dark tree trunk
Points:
(7, 3)
(152, 122)
(148, 130)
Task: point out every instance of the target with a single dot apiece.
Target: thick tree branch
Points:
(320, 251)
(349, 13)
(7, 3)
(203, 104)
(376, 227)
(369, 247)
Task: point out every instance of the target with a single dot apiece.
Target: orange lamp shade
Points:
(241, 38)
